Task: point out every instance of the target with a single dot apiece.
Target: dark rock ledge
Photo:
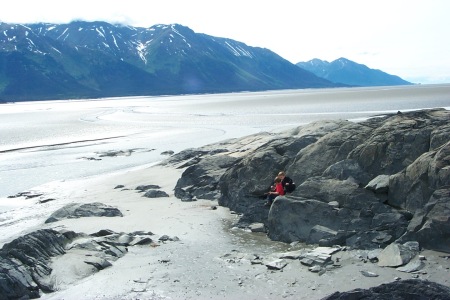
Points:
(25, 263)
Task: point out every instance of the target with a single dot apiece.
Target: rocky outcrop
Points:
(403, 289)
(24, 263)
(364, 185)
(43, 260)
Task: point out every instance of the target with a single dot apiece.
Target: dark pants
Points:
(270, 198)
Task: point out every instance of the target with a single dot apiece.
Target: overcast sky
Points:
(408, 38)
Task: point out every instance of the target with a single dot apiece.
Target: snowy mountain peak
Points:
(97, 59)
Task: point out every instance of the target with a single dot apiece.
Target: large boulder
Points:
(293, 219)
(359, 219)
(396, 254)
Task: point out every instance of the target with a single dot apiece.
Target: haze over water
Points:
(59, 140)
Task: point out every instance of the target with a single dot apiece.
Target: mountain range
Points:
(80, 59)
(350, 73)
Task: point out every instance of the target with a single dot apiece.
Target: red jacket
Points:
(279, 189)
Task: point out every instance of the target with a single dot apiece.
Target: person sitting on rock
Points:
(278, 191)
(287, 182)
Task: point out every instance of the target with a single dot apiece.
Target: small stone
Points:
(369, 274)
(315, 269)
(278, 264)
(257, 227)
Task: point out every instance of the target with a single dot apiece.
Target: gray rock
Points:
(316, 259)
(288, 218)
(430, 225)
(369, 274)
(278, 264)
(320, 256)
(372, 239)
(141, 240)
(98, 262)
(293, 254)
(103, 232)
(334, 204)
(345, 169)
(78, 210)
(332, 147)
(389, 219)
(412, 188)
(318, 233)
(379, 184)
(307, 261)
(145, 187)
(168, 152)
(396, 255)
(25, 263)
(257, 227)
(400, 289)
(414, 265)
(372, 255)
(166, 238)
(315, 269)
(200, 179)
(155, 194)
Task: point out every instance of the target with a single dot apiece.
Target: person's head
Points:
(281, 175)
(278, 179)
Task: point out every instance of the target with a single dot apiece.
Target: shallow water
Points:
(57, 140)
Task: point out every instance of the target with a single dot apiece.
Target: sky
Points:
(407, 38)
